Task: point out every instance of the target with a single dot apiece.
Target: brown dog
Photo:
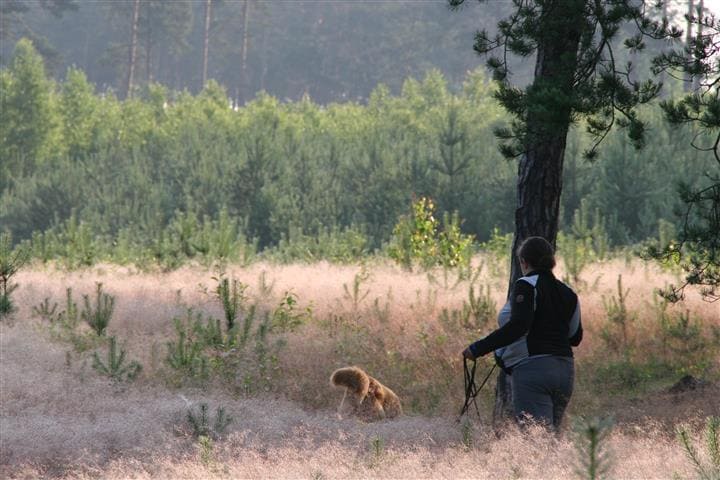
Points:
(368, 398)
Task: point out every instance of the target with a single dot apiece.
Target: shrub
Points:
(115, 367)
(287, 317)
(619, 320)
(98, 317)
(202, 424)
(11, 260)
(593, 459)
(185, 354)
(418, 237)
(707, 469)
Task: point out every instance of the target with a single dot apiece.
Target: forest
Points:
(208, 208)
(158, 175)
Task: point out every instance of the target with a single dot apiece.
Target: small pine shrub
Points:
(115, 367)
(377, 449)
(708, 468)
(356, 293)
(480, 307)
(231, 294)
(185, 354)
(11, 260)
(70, 316)
(47, 312)
(593, 459)
(202, 424)
(99, 316)
(207, 450)
(619, 321)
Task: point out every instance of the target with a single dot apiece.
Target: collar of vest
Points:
(538, 272)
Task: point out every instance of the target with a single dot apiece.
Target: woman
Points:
(539, 325)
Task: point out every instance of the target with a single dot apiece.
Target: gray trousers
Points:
(541, 388)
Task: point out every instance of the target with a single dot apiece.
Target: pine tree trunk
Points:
(539, 182)
(701, 12)
(206, 40)
(133, 49)
(148, 56)
(243, 87)
(687, 86)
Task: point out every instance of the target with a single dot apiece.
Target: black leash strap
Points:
(472, 390)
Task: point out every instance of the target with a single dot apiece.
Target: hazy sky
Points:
(713, 6)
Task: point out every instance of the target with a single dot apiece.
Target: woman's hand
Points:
(467, 353)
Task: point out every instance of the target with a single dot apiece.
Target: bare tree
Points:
(243, 84)
(133, 49)
(206, 40)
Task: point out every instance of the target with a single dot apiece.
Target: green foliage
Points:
(243, 354)
(203, 425)
(99, 315)
(231, 294)
(697, 250)
(115, 367)
(287, 317)
(584, 243)
(685, 345)
(63, 322)
(167, 178)
(185, 354)
(591, 446)
(477, 311)
(11, 260)
(28, 113)
(586, 80)
(335, 245)
(206, 450)
(625, 375)
(45, 311)
(708, 468)
(419, 237)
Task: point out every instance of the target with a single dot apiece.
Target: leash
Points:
(472, 390)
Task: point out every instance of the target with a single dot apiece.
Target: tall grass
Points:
(393, 323)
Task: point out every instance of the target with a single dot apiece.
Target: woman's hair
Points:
(537, 252)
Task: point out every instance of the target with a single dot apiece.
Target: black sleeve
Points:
(521, 317)
(576, 324)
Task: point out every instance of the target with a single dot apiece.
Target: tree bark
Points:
(540, 168)
(701, 11)
(206, 40)
(243, 84)
(133, 49)
(688, 84)
(148, 55)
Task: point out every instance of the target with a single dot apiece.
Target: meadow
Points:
(255, 345)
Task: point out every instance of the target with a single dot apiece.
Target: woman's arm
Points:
(521, 317)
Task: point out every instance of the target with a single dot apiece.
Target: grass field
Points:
(59, 417)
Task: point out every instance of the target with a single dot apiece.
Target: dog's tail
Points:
(353, 379)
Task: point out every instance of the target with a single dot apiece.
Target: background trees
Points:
(138, 172)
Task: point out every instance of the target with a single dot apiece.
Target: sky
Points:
(713, 6)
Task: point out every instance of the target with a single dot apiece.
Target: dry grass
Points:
(58, 418)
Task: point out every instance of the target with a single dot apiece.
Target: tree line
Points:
(332, 51)
(133, 168)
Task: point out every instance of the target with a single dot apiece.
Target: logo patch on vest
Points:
(519, 298)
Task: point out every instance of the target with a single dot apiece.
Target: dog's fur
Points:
(367, 397)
